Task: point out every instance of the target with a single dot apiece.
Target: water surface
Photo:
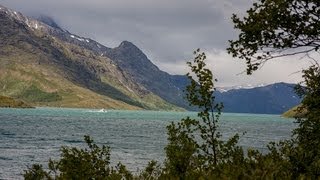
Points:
(29, 136)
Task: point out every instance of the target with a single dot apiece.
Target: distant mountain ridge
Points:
(38, 57)
(270, 99)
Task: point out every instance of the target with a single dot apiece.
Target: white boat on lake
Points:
(102, 110)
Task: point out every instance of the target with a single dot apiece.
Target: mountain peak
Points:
(127, 44)
(131, 50)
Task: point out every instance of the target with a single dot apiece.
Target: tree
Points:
(75, 163)
(307, 135)
(36, 172)
(276, 28)
(195, 147)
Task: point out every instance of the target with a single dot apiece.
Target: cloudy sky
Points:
(167, 31)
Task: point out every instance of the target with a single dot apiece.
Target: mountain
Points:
(131, 59)
(271, 99)
(47, 66)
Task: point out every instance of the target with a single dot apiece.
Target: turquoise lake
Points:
(29, 136)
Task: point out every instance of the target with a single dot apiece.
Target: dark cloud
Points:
(166, 30)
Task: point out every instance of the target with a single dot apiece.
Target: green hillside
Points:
(44, 85)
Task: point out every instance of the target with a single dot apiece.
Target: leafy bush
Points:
(13, 103)
(91, 163)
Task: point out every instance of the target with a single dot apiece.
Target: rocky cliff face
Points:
(131, 59)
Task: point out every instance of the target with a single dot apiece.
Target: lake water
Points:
(29, 136)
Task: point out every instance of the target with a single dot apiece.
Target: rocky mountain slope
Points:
(46, 65)
(133, 61)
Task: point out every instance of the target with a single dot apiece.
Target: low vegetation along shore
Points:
(8, 102)
(295, 112)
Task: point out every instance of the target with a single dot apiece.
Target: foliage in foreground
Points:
(307, 136)
(91, 163)
(277, 28)
(195, 147)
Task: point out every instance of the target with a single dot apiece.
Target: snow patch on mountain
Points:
(245, 86)
(78, 38)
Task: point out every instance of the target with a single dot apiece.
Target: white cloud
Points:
(230, 71)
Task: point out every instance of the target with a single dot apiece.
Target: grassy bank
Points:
(9, 102)
(294, 113)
